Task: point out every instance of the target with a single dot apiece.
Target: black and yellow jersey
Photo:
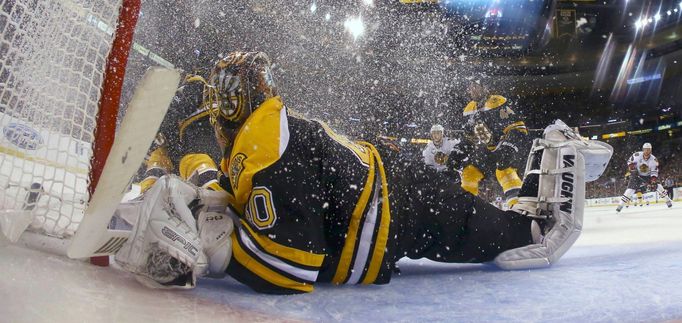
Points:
(185, 145)
(313, 206)
(493, 123)
(497, 144)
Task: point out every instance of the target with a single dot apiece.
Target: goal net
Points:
(61, 71)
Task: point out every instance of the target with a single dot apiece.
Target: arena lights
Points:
(643, 79)
(640, 131)
(613, 135)
(493, 12)
(355, 27)
(665, 127)
(643, 21)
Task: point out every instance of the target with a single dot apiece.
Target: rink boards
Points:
(648, 197)
(57, 167)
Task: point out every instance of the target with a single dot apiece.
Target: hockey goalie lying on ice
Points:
(302, 204)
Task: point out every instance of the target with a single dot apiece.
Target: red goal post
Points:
(109, 102)
(62, 66)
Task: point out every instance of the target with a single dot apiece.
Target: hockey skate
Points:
(553, 194)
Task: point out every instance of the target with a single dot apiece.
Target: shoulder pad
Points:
(470, 109)
(494, 101)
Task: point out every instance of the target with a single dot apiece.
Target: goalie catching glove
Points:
(169, 247)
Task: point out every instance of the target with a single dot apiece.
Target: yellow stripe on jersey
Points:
(470, 108)
(159, 159)
(194, 117)
(382, 238)
(494, 102)
(191, 163)
(147, 183)
(292, 254)
(356, 218)
(519, 126)
(260, 142)
(214, 185)
(508, 179)
(358, 150)
(264, 272)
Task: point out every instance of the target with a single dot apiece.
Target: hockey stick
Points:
(138, 129)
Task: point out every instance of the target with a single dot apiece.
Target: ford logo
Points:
(22, 136)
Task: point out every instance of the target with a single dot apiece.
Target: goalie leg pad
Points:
(164, 243)
(557, 166)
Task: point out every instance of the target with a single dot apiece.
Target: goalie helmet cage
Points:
(62, 66)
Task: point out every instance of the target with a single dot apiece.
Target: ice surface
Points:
(624, 268)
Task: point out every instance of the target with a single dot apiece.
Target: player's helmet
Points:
(646, 149)
(437, 134)
(436, 128)
(239, 83)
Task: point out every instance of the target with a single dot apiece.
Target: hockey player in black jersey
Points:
(304, 205)
(185, 144)
(495, 145)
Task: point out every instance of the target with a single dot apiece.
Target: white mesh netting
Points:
(52, 61)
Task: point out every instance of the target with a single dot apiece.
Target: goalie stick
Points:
(138, 129)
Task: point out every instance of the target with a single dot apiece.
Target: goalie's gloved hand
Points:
(164, 249)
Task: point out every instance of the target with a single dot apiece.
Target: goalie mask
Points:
(238, 85)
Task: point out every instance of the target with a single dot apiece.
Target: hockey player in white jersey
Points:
(438, 149)
(644, 173)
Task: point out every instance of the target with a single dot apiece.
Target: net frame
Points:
(122, 14)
